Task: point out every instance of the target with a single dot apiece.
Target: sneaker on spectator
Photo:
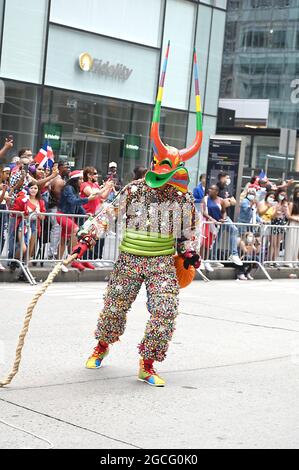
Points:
(64, 269)
(242, 277)
(2, 268)
(249, 277)
(208, 267)
(235, 259)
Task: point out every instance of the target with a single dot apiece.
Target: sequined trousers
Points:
(159, 275)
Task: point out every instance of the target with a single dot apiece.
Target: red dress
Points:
(23, 204)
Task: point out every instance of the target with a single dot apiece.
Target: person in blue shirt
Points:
(200, 189)
(248, 211)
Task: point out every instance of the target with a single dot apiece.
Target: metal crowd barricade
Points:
(14, 241)
(221, 240)
(280, 246)
(53, 237)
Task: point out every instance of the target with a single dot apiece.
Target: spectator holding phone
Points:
(8, 145)
(72, 203)
(30, 203)
(248, 210)
(112, 175)
(90, 186)
(20, 175)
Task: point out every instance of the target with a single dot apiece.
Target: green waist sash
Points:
(147, 244)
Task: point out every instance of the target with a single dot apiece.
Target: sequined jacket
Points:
(165, 211)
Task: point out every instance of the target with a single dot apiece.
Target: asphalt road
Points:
(232, 371)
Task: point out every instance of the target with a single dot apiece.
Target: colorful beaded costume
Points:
(158, 218)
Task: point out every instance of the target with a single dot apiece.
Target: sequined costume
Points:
(156, 218)
(157, 272)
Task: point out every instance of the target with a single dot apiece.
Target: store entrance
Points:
(96, 151)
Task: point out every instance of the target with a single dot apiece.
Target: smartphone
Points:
(25, 167)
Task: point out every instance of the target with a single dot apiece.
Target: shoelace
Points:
(150, 369)
(99, 350)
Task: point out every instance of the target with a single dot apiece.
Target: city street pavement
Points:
(232, 371)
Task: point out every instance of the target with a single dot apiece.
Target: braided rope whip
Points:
(42, 290)
(28, 317)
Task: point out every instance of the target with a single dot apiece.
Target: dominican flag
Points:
(262, 175)
(45, 156)
(50, 156)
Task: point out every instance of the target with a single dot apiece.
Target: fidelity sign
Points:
(118, 71)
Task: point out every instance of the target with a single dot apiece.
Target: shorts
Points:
(68, 226)
(280, 222)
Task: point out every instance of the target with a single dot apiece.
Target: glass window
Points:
(202, 48)
(192, 164)
(215, 3)
(133, 20)
(265, 156)
(265, 61)
(1, 15)
(19, 115)
(23, 40)
(179, 29)
(108, 67)
(214, 66)
(209, 129)
(94, 129)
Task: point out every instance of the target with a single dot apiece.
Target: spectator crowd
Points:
(267, 222)
(29, 190)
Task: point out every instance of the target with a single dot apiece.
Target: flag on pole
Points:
(50, 155)
(45, 156)
(262, 175)
(41, 157)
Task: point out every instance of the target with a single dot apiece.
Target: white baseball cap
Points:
(111, 164)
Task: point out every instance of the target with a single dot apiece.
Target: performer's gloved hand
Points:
(191, 258)
(80, 249)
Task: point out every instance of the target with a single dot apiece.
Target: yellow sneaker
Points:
(148, 374)
(95, 360)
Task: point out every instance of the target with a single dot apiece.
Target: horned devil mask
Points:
(169, 163)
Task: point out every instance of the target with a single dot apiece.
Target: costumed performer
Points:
(160, 219)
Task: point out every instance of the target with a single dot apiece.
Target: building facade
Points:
(85, 74)
(261, 56)
(261, 62)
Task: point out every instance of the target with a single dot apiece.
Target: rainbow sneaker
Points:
(95, 360)
(148, 374)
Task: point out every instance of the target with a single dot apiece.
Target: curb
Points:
(102, 275)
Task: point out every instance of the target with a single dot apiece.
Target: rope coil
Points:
(28, 317)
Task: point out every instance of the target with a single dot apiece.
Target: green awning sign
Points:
(52, 133)
(132, 146)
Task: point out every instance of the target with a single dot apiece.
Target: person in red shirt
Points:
(30, 203)
(90, 186)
